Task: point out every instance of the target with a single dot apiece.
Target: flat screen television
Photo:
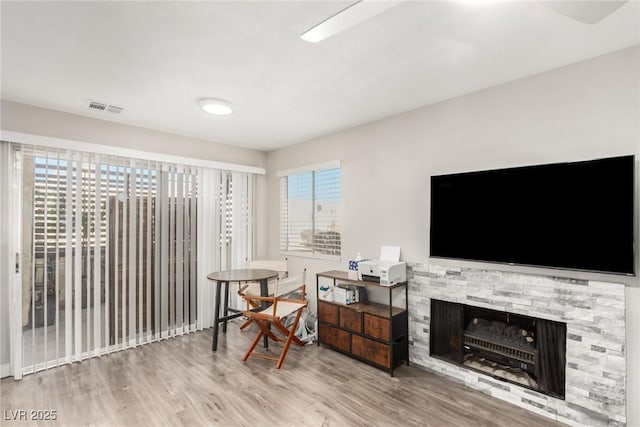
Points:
(576, 216)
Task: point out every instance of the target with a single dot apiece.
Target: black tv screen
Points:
(576, 216)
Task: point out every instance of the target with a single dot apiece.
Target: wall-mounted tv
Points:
(576, 216)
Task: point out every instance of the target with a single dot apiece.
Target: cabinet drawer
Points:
(327, 313)
(373, 351)
(377, 327)
(335, 337)
(351, 319)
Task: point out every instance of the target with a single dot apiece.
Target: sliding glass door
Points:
(110, 250)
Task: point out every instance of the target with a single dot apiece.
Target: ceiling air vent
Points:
(103, 106)
(114, 109)
(97, 105)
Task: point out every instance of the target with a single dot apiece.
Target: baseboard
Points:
(5, 370)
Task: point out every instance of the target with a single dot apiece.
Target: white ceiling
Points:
(156, 59)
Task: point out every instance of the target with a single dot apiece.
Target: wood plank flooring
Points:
(181, 382)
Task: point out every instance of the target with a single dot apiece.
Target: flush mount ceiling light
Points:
(219, 107)
(352, 15)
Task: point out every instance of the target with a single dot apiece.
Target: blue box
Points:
(353, 269)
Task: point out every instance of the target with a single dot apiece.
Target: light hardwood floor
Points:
(181, 382)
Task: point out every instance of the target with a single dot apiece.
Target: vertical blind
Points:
(113, 251)
(8, 226)
(311, 211)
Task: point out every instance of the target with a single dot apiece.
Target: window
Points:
(311, 210)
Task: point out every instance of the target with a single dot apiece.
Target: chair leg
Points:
(253, 345)
(286, 331)
(267, 332)
(246, 324)
(290, 337)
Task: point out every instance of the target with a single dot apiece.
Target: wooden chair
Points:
(288, 300)
(249, 290)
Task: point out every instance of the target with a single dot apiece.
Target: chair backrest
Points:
(279, 265)
(289, 285)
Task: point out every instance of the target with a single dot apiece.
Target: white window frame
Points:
(336, 164)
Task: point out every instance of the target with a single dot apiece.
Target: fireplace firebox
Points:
(527, 351)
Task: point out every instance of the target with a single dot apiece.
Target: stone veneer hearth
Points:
(593, 311)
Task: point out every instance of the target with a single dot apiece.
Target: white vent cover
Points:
(114, 109)
(103, 106)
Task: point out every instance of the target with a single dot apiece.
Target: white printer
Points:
(386, 273)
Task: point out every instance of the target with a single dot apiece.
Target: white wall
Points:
(578, 112)
(41, 121)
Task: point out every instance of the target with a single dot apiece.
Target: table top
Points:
(243, 275)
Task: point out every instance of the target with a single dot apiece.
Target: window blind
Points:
(114, 250)
(311, 211)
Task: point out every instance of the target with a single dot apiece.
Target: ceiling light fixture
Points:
(347, 18)
(219, 107)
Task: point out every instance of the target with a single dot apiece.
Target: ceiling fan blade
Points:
(352, 15)
(588, 12)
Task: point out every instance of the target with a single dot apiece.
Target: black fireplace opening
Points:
(523, 350)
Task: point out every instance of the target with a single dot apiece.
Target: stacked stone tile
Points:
(593, 311)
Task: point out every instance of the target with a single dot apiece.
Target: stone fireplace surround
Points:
(593, 311)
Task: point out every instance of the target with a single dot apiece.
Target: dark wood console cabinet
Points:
(377, 334)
